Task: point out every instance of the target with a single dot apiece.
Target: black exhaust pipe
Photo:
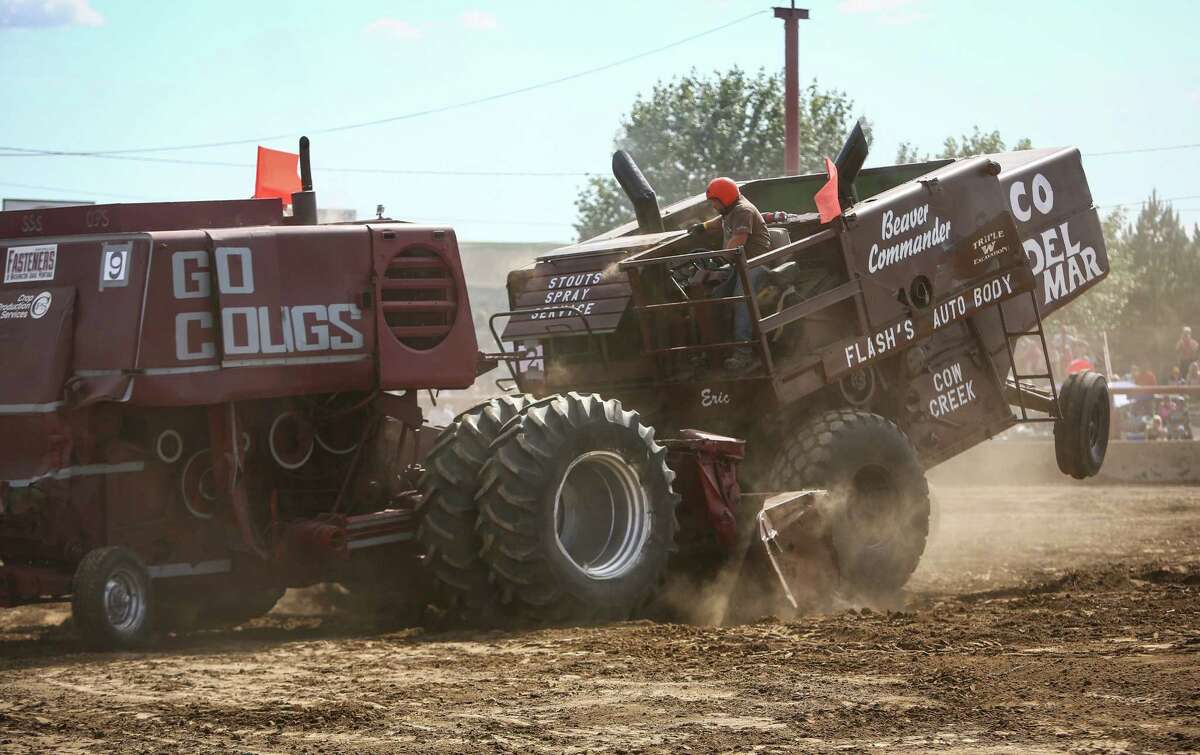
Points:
(637, 188)
(304, 202)
(849, 161)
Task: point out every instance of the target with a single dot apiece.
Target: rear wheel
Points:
(448, 511)
(879, 500)
(1081, 432)
(112, 599)
(577, 513)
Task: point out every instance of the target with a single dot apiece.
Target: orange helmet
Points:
(724, 190)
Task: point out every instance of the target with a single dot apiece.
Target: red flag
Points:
(827, 197)
(277, 175)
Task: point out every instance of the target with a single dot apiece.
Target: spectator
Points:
(1079, 364)
(1187, 349)
(1144, 376)
(1155, 430)
(1193, 373)
(1176, 376)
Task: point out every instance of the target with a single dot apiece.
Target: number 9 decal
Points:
(114, 268)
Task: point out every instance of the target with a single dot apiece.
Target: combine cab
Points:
(886, 343)
(204, 403)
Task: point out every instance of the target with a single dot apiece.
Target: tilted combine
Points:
(886, 340)
(204, 403)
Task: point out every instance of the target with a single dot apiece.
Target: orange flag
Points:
(277, 175)
(826, 197)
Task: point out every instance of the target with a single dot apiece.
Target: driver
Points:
(743, 225)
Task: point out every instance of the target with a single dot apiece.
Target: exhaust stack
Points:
(304, 202)
(849, 161)
(637, 188)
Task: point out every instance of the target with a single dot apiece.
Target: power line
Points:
(25, 152)
(318, 168)
(408, 116)
(494, 222)
(1140, 150)
(1146, 201)
(85, 192)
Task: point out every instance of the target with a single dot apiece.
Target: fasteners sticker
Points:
(30, 263)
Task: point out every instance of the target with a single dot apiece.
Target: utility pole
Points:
(791, 86)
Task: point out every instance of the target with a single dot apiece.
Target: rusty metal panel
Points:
(892, 338)
(570, 296)
(956, 398)
(1059, 228)
(949, 227)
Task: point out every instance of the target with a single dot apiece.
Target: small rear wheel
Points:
(112, 599)
(1081, 430)
(577, 513)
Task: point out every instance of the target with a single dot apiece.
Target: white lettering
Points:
(349, 338)
(183, 350)
(249, 317)
(1043, 194)
(246, 270)
(190, 281)
(954, 391)
(318, 330)
(1015, 192)
(1043, 198)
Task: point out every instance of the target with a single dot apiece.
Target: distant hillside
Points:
(487, 264)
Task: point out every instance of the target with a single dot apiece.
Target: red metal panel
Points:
(129, 218)
(426, 336)
(256, 313)
(35, 321)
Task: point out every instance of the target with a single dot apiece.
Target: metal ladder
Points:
(1017, 377)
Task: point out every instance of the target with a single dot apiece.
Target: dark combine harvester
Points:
(886, 338)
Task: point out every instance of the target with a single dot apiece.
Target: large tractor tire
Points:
(448, 513)
(879, 501)
(577, 513)
(112, 600)
(1081, 430)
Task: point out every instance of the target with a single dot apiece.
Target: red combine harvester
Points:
(205, 402)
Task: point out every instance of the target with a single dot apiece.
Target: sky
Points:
(105, 75)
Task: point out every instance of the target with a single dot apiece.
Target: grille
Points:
(418, 298)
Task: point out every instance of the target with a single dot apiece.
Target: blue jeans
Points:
(732, 286)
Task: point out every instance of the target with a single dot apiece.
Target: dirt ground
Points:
(1043, 619)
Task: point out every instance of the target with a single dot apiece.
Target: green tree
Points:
(975, 143)
(692, 128)
(1103, 308)
(1163, 265)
